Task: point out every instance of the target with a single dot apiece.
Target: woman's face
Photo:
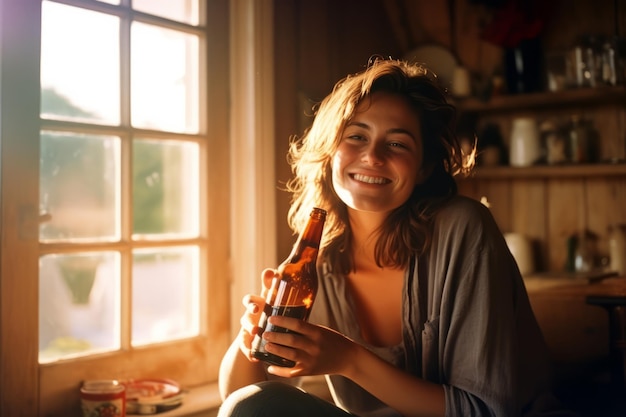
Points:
(379, 158)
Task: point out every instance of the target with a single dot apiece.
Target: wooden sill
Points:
(199, 401)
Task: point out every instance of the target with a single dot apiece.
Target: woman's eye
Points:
(398, 145)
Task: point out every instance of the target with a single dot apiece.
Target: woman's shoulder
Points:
(462, 207)
(464, 215)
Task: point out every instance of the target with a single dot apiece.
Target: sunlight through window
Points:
(120, 186)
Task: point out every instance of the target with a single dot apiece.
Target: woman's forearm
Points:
(237, 371)
(409, 395)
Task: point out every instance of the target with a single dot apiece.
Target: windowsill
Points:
(197, 400)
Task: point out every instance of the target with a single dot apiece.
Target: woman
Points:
(421, 309)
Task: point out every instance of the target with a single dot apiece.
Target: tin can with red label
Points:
(103, 398)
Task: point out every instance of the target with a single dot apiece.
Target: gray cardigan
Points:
(467, 323)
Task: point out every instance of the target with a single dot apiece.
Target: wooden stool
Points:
(615, 304)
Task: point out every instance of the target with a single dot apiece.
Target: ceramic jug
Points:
(617, 249)
(524, 147)
(522, 251)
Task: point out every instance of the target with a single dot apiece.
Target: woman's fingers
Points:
(295, 344)
(249, 326)
(252, 299)
(294, 325)
(267, 277)
(253, 304)
(315, 349)
(245, 344)
(253, 307)
(249, 323)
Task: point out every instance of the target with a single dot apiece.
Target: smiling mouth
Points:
(370, 180)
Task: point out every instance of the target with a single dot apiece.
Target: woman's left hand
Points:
(317, 350)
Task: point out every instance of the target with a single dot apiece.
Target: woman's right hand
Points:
(249, 323)
(238, 368)
(254, 305)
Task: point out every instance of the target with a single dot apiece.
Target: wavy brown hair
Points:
(406, 232)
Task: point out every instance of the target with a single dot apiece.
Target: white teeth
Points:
(370, 180)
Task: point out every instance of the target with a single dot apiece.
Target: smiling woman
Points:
(379, 160)
(418, 294)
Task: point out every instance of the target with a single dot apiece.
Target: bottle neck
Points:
(309, 240)
(304, 247)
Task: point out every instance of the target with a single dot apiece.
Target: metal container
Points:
(103, 398)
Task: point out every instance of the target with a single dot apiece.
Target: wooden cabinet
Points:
(577, 333)
(551, 203)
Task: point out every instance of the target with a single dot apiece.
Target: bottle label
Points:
(258, 351)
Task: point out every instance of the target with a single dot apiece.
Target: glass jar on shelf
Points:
(581, 138)
(553, 143)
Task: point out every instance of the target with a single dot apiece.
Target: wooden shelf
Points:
(532, 101)
(548, 171)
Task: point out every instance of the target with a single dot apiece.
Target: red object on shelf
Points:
(152, 395)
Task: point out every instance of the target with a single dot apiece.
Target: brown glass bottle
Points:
(293, 290)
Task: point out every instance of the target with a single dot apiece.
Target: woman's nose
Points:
(373, 155)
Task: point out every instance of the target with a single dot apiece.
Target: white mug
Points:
(461, 82)
(521, 248)
(524, 146)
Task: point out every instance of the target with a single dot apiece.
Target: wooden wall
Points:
(549, 210)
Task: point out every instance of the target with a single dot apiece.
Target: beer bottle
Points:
(293, 289)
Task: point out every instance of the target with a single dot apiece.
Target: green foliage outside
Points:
(64, 157)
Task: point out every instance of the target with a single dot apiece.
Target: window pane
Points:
(79, 65)
(79, 304)
(182, 10)
(165, 188)
(164, 79)
(79, 187)
(165, 300)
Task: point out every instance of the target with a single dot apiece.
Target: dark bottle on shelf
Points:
(293, 291)
(582, 141)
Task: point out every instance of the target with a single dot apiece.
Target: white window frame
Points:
(243, 146)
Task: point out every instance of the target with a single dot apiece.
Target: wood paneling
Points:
(564, 206)
(550, 210)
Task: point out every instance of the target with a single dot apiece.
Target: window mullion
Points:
(125, 71)
(126, 247)
(126, 182)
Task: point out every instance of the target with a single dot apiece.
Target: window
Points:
(126, 206)
(119, 190)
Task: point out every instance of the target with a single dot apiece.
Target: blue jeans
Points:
(277, 399)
